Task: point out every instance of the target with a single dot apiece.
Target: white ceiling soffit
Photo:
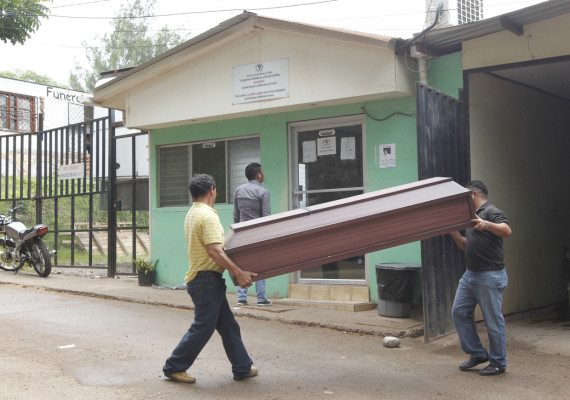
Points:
(551, 77)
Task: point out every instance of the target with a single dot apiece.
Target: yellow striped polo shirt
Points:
(202, 226)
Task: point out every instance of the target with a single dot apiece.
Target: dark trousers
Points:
(212, 313)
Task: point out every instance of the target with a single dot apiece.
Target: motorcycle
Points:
(20, 245)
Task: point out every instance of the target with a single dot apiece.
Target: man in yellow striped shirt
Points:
(207, 288)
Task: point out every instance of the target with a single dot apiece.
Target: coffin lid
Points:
(290, 222)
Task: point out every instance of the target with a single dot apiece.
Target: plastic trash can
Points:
(395, 289)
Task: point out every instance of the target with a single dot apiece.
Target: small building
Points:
(31, 107)
(328, 113)
(513, 74)
(28, 107)
(331, 113)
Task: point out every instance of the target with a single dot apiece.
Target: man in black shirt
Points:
(483, 283)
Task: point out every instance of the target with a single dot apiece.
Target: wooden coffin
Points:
(303, 238)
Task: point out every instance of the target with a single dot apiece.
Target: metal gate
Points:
(67, 178)
(443, 150)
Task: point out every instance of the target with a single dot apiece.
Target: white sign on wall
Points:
(309, 151)
(348, 148)
(326, 146)
(261, 81)
(70, 171)
(387, 155)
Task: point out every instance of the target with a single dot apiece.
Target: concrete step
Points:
(352, 306)
(334, 293)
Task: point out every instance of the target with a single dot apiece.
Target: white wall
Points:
(543, 39)
(322, 71)
(520, 139)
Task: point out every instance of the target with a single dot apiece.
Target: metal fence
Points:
(66, 178)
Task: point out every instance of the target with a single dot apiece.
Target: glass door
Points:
(326, 165)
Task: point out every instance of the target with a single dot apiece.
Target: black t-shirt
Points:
(484, 250)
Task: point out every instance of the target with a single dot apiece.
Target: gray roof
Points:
(443, 41)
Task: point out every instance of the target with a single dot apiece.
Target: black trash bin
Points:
(395, 288)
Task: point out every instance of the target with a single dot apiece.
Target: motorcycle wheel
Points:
(43, 265)
(6, 262)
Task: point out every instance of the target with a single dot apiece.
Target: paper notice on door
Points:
(347, 148)
(309, 151)
(326, 146)
(387, 155)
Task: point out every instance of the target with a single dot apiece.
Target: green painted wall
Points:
(400, 130)
(168, 242)
(446, 74)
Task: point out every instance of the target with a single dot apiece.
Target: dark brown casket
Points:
(303, 238)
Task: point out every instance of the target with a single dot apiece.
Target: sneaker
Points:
(181, 377)
(264, 303)
(242, 303)
(251, 374)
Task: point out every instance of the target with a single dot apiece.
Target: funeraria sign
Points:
(261, 81)
(64, 95)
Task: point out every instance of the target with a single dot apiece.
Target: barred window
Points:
(17, 112)
(225, 160)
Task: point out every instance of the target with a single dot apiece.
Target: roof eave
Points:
(444, 41)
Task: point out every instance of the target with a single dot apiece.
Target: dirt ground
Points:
(62, 346)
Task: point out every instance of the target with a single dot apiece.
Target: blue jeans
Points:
(486, 289)
(259, 291)
(212, 313)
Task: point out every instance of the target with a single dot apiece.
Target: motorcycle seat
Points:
(22, 234)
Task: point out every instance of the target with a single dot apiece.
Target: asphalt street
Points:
(63, 346)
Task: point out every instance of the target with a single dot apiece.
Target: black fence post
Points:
(39, 183)
(112, 199)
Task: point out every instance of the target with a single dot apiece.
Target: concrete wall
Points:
(519, 147)
(168, 243)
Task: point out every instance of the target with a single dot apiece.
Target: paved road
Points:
(58, 346)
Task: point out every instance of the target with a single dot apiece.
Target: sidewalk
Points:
(125, 288)
(545, 330)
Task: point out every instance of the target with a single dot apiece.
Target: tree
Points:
(19, 18)
(129, 45)
(31, 76)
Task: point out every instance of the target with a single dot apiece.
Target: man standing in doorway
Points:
(483, 283)
(207, 288)
(251, 200)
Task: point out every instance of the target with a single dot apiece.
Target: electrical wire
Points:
(192, 12)
(363, 108)
(79, 4)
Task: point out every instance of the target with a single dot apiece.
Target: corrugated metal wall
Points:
(443, 150)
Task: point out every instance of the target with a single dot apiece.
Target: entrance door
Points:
(326, 165)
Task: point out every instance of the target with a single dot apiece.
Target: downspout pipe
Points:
(405, 45)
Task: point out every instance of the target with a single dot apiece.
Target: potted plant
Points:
(146, 270)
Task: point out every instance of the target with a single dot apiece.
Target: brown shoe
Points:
(181, 377)
(251, 374)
